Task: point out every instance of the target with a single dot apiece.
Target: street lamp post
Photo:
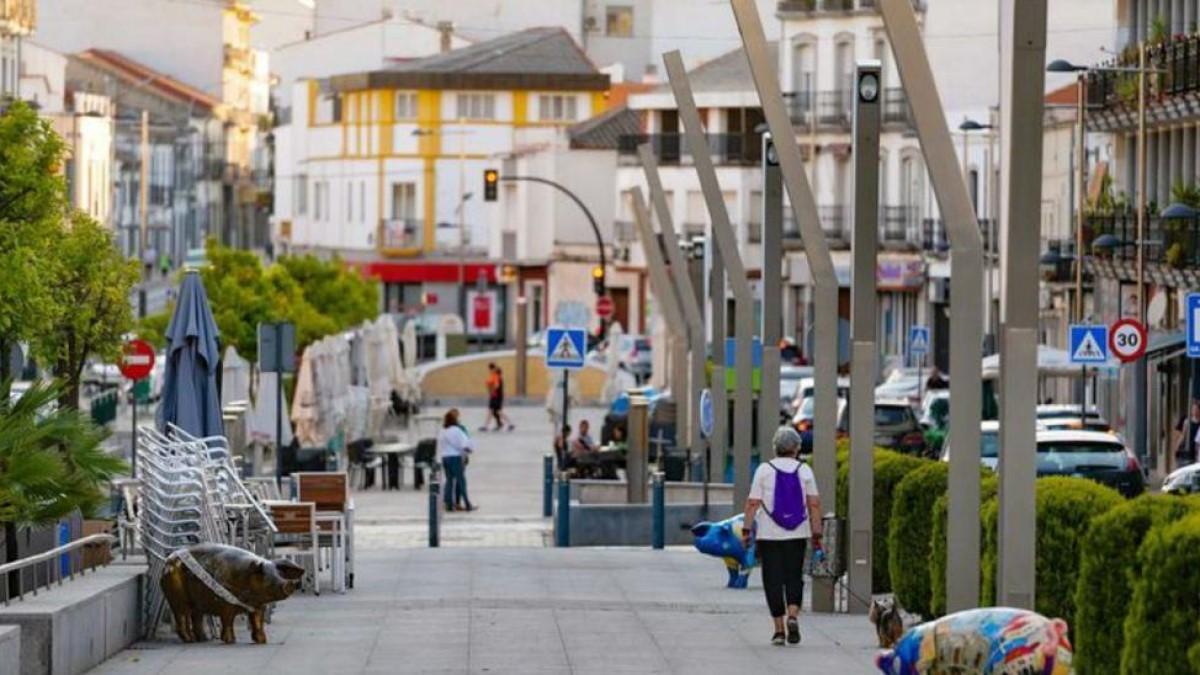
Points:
(989, 243)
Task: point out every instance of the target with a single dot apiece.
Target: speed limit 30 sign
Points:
(1127, 339)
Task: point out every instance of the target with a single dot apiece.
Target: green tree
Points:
(32, 208)
(334, 289)
(89, 309)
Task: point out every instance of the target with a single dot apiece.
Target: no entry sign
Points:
(604, 307)
(137, 360)
(1127, 339)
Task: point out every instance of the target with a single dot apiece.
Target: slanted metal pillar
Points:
(966, 288)
(1022, 73)
(772, 295)
(863, 302)
(660, 281)
(816, 249)
(736, 272)
(690, 397)
(719, 443)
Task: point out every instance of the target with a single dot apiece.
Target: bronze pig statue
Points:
(224, 581)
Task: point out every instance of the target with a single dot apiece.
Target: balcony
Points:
(898, 224)
(670, 149)
(18, 17)
(786, 7)
(834, 109)
(1170, 243)
(401, 234)
(935, 239)
(1171, 96)
(624, 232)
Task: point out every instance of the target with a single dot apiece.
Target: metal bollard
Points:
(434, 493)
(562, 526)
(547, 486)
(658, 511)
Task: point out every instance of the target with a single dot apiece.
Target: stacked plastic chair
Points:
(188, 494)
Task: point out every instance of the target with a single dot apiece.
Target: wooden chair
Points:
(330, 493)
(296, 536)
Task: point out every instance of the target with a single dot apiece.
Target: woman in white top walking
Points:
(783, 511)
(454, 446)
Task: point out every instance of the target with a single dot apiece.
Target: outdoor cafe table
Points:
(394, 454)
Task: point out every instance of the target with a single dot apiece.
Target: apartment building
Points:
(387, 164)
(201, 53)
(18, 18)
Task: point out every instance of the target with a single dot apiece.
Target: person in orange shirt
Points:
(495, 388)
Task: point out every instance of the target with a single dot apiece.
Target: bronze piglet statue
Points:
(224, 581)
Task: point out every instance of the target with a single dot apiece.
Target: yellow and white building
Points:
(386, 167)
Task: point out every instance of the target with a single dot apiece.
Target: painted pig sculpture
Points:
(249, 583)
(723, 539)
(988, 641)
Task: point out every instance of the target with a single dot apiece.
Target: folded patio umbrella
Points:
(189, 395)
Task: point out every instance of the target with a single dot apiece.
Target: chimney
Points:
(446, 28)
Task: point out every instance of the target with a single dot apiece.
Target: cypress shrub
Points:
(1065, 509)
(937, 541)
(1162, 628)
(1108, 570)
(909, 535)
(890, 468)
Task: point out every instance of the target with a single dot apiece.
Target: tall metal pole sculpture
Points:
(772, 291)
(687, 295)
(816, 249)
(966, 290)
(722, 231)
(863, 351)
(1022, 76)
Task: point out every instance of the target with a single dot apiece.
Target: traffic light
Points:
(491, 179)
(598, 280)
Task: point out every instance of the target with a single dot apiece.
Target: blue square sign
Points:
(565, 348)
(1089, 344)
(1193, 325)
(918, 340)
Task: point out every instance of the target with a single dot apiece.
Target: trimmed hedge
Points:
(890, 468)
(1109, 568)
(937, 541)
(1162, 629)
(1065, 509)
(910, 532)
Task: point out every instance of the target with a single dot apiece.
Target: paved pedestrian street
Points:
(495, 599)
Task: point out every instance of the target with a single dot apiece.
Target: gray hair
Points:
(786, 441)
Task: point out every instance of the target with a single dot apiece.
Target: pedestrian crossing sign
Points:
(565, 348)
(1089, 344)
(918, 340)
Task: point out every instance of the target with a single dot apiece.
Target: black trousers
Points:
(782, 572)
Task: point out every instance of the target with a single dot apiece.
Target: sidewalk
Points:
(494, 599)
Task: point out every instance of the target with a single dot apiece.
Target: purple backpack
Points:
(790, 510)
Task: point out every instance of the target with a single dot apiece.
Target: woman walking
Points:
(783, 511)
(454, 447)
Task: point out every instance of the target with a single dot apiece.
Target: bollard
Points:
(562, 527)
(547, 486)
(433, 512)
(658, 512)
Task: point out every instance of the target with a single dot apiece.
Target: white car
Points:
(790, 379)
(805, 392)
(1066, 416)
(1183, 481)
(989, 444)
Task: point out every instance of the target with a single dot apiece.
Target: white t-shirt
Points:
(762, 488)
(453, 442)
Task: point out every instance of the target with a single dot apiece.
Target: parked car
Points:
(1099, 456)
(1071, 416)
(805, 426)
(805, 392)
(790, 379)
(1183, 481)
(902, 383)
(896, 426)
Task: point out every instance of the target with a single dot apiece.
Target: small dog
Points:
(889, 625)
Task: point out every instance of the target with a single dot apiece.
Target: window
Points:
(403, 229)
(476, 106)
(618, 21)
(557, 107)
(301, 194)
(406, 105)
(404, 201)
(362, 201)
(349, 202)
(537, 306)
(329, 110)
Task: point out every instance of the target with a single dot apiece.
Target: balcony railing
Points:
(898, 224)
(1169, 242)
(737, 149)
(811, 6)
(624, 232)
(1179, 56)
(401, 233)
(834, 109)
(935, 239)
